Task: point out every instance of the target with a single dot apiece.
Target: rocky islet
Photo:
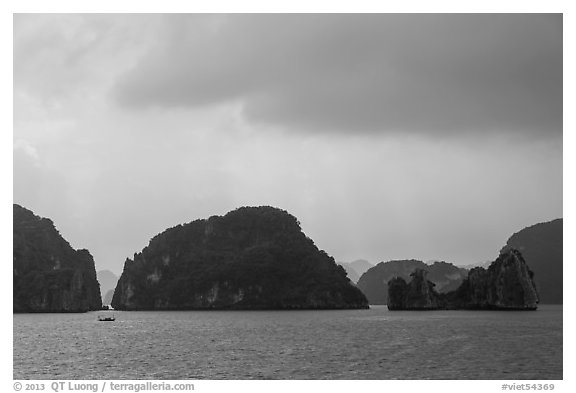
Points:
(507, 284)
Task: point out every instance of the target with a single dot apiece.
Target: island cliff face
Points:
(48, 274)
(507, 284)
(251, 258)
(541, 246)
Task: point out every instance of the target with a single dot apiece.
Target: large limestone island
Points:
(507, 284)
(49, 275)
(250, 258)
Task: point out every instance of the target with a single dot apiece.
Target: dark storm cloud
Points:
(111, 178)
(386, 72)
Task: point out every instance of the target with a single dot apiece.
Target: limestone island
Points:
(507, 284)
(252, 258)
(48, 274)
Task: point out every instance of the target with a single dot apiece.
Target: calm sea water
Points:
(353, 344)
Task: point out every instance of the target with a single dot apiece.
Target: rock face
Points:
(48, 274)
(251, 258)
(419, 294)
(541, 246)
(506, 285)
(374, 282)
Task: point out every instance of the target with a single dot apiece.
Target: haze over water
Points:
(349, 344)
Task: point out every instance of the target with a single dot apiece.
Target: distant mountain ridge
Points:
(542, 247)
(107, 300)
(374, 282)
(350, 272)
(473, 265)
(356, 268)
(108, 281)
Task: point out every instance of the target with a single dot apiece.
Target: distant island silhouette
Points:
(374, 282)
(259, 258)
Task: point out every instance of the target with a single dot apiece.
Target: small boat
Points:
(106, 319)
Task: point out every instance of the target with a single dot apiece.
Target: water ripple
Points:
(354, 344)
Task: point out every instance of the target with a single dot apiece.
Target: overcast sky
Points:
(432, 137)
